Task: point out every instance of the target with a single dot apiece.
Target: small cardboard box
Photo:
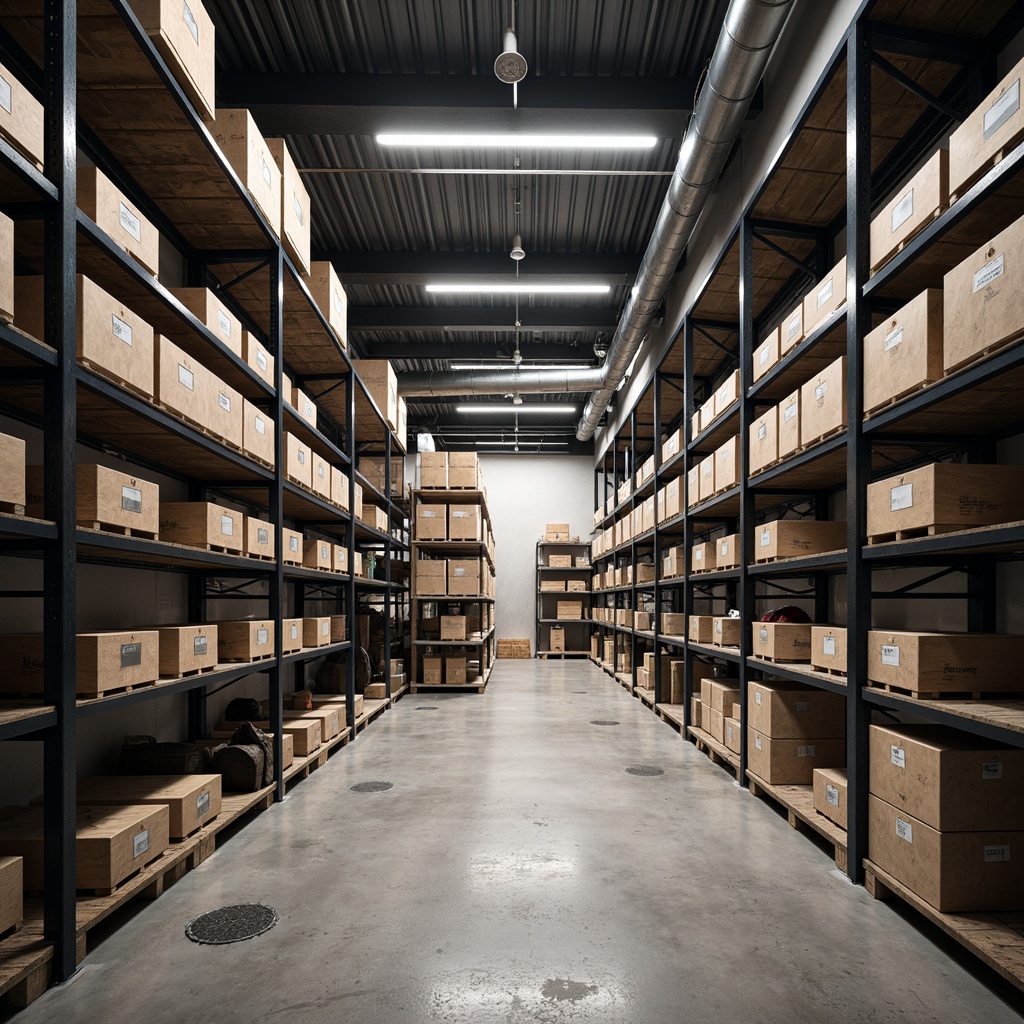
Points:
(338, 628)
(321, 476)
(6, 269)
(766, 355)
(706, 468)
(453, 627)
(732, 734)
(295, 211)
(556, 639)
(12, 910)
(823, 300)
(382, 384)
(184, 387)
(245, 640)
(696, 713)
(702, 629)
(789, 424)
(727, 552)
(791, 762)
(329, 295)
(727, 465)
(791, 711)
(303, 405)
(21, 118)
(830, 794)
(433, 671)
(291, 635)
(433, 470)
(191, 800)
(823, 403)
(576, 586)
(298, 461)
(781, 641)
(455, 671)
(306, 734)
(714, 723)
(672, 446)
(259, 359)
(791, 331)
(702, 557)
(431, 578)
(828, 649)
(643, 573)
(952, 871)
(796, 538)
(642, 621)
(672, 563)
(693, 486)
(464, 577)
(673, 624)
(911, 207)
(555, 532)
(316, 631)
(259, 538)
(948, 779)
(187, 649)
(318, 554)
(257, 434)
(719, 694)
(115, 214)
(235, 131)
(327, 716)
(464, 470)
(431, 521)
(210, 311)
(570, 609)
(201, 524)
(727, 394)
(339, 558)
(764, 440)
(291, 543)
(944, 495)
(104, 498)
(701, 671)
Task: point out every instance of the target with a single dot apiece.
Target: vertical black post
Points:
(658, 697)
(387, 568)
(350, 543)
(277, 516)
(633, 593)
(687, 605)
(858, 451)
(59, 457)
(822, 584)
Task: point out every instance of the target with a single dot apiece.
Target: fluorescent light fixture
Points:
(538, 407)
(467, 288)
(523, 443)
(512, 140)
(521, 366)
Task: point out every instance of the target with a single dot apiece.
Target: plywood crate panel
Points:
(12, 910)
(245, 640)
(913, 206)
(321, 476)
(791, 330)
(787, 710)
(464, 470)
(247, 151)
(225, 414)
(291, 635)
(295, 208)
(202, 524)
(727, 393)
(764, 440)
(702, 629)
(298, 461)
(789, 424)
(208, 309)
(258, 357)
(184, 387)
(823, 403)
(824, 299)
(766, 355)
(828, 649)
(291, 544)
(781, 641)
(318, 554)
(191, 800)
(830, 789)
(116, 661)
(21, 118)
(316, 631)
(114, 213)
(431, 578)
(187, 649)
(6, 269)
(795, 538)
(329, 295)
(464, 577)
(727, 551)
(257, 434)
(305, 733)
(726, 631)
(791, 762)
(727, 465)
(673, 623)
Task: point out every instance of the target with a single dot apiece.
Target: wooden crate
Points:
(257, 434)
(791, 331)
(830, 794)
(823, 300)
(941, 498)
(702, 629)
(191, 800)
(110, 500)
(727, 465)
(316, 631)
(225, 414)
(789, 424)
(693, 486)
(764, 441)
(727, 552)
(338, 629)
(305, 733)
(12, 910)
(726, 395)
(291, 635)
(926, 664)
(201, 524)
(120, 218)
(259, 538)
(116, 661)
(184, 35)
(464, 577)
(292, 546)
(382, 384)
(303, 405)
(329, 295)
(321, 476)
(766, 355)
(464, 522)
(298, 461)
(339, 488)
(791, 762)
(567, 609)
(295, 209)
(823, 404)
(111, 843)
(464, 470)
(184, 387)
(912, 207)
(259, 358)
(702, 557)
(987, 133)
(185, 650)
(672, 447)
(317, 554)
(246, 640)
(706, 469)
(246, 150)
(209, 310)
(707, 415)
(21, 118)
(781, 641)
(983, 308)
(340, 556)
(828, 649)
(673, 624)
(328, 717)
(726, 631)
(796, 538)
(6, 269)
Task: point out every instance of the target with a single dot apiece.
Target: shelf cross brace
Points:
(918, 90)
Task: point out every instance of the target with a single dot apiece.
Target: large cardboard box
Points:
(318, 554)
(306, 734)
(320, 476)
(670, 500)
(453, 627)
(291, 636)
(947, 496)
(830, 788)
(766, 355)
(733, 732)
(727, 551)
(382, 383)
(225, 414)
(339, 558)
(316, 631)
(431, 521)
(764, 441)
(993, 127)
(6, 269)
(948, 779)
(257, 434)
(295, 211)
(796, 538)
(187, 649)
(328, 716)
(298, 461)
(823, 403)
(464, 470)
(912, 206)
(433, 671)
(701, 671)
(245, 640)
(247, 151)
(569, 609)
(303, 405)
(707, 413)
(115, 214)
(781, 641)
(714, 723)
(728, 393)
(702, 556)
(791, 711)
(984, 299)
(464, 522)
(431, 577)
(672, 446)
(455, 671)
(13, 478)
(789, 424)
(291, 544)
(791, 330)
(672, 563)
(259, 358)
(702, 629)
(464, 577)
(433, 468)
(693, 486)
(184, 386)
(21, 118)
(12, 909)
(207, 308)
(339, 488)
(828, 649)
(192, 801)
(556, 639)
(823, 300)
(201, 524)
(719, 694)
(706, 468)
(791, 762)
(673, 624)
(329, 295)
(727, 465)
(952, 871)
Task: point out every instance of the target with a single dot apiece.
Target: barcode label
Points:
(893, 338)
(789, 413)
(757, 742)
(825, 293)
(5, 94)
(905, 830)
(130, 223)
(763, 634)
(293, 543)
(992, 271)
(261, 360)
(265, 168)
(820, 391)
(261, 427)
(140, 843)
(224, 323)
(724, 549)
(131, 655)
(120, 329)
(1002, 110)
(997, 854)
(762, 355)
(131, 499)
(991, 770)
(297, 209)
(762, 432)
(202, 804)
(262, 637)
(227, 526)
(190, 20)
(262, 535)
(200, 645)
(898, 756)
(224, 401)
(793, 326)
(186, 378)
(901, 497)
(828, 645)
(903, 210)
(766, 538)
(831, 794)
(891, 655)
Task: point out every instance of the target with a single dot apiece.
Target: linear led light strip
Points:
(467, 288)
(445, 140)
(503, 365)
(520, 409)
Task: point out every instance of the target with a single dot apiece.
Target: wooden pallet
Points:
(935, 530)
(789, 558)
(108, 690)
(259, 557)
(982, 354)
(120, 531)
(982, 169)
(462, 687)
(191, 672)
(798, 802)
(246, 661)
(783, 661)
(718, 753)
(672, 714)
(996, 939)
(11, 508)
(514, 648)
(897, 398)
(107, 374)
(646, 696)
(900, 246)
(903, 691)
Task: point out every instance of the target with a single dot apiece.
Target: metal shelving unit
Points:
(575, 629)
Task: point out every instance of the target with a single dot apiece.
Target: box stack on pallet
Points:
(563, 569)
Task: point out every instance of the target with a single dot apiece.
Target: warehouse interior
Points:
(523, 497)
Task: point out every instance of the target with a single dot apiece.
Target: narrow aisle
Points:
(518, 873)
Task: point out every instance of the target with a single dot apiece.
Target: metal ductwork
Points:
(741, 54)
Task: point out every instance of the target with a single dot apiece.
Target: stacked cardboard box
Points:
(717, 697)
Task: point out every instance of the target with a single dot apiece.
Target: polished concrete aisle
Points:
(517, 873)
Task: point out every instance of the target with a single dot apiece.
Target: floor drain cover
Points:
(601, 721)
(426, 709)
(372, 787)
(231, 924)
(579, 691)
(646, 770)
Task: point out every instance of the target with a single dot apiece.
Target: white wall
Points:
(523, 493)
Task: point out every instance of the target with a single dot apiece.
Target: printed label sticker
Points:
(261, 427)
(992, 770)
(825, 293)
(130, 223)
(120, 329)
(891, 655)
(5, 94)
(202, 804)
(297, 209)
(828, 645)
(763, 634)
(762, 432)
(200, 645)
(831, 794)
(757, 742)
(724, 549)
(762, 356)
(997, 854)
(790, 412)
(766, 538)
(261, 360)
(898, 756)
(190, 20)
(905, 830)
(820, 391)
(293, 543)
(893, 338)
(301, 456)
(186, 378)
(757, 697)
(992, 271)
(265, 168)
(140, 843)
(224, 323)
(295, 631)
(227, 526)
(131, 654)
(262, 535)
(337, 302)
(131, 499)
(1001, 111)
(325, 628)
(224, 401)
(793, 327)
(262, 637)
(325, 551)
(901, 497)
(903, 210)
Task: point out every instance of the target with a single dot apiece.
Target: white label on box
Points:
(297, 209)
(131, 499)
(757, 701)
(809, 751)
(307, 409)
(991, 770)
(265, 168)
(793, 327)
(202, 804)
(992, 271)
(5, 94)
(457, 514)
(120, 329)
(762, 432)
(224, 401)
(189, 18)
(337, 303)
(762, 355)
(301, 456)
(893, 338)
(891, 655)
(227, 526)
(727, 454)
(261, 360)
(825, 293)
(262, 637)
(325, 628)
(904, 830)
(828, 645)
(831, 794)
(757, 742)
(320, 470)
(789, 413)
(293, 543)
(131, 655)
(224, 323)
(903, 210)
(186, 378)
(708, 467)
(763, 634)
(1002, 110)
(724, 549)
(459, 571)
(140, 843)
(200, 645)
(820, 391)
(261, 427)
(324, 551)
(698, 555)
(130, 223)
(997, 854)
(802, 705)
(426, 513)
(901, 497)
(898, 756)
(262, 535)
(295, 631)
(766, 538)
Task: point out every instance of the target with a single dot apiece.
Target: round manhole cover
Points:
(231, 924)
(602, 721)
(645, 770)
(372, 787)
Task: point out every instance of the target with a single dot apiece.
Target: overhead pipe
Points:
(750, 31)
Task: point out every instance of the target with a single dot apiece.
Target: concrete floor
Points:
(516, 873)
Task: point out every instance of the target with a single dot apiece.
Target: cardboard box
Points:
(21, 118)
(207, 308)
(259, 358)
(673, 624)
(431, 578)
(790, 711)
(235, 131)
(946, 496)
(993, 127)
(984, 299)
(764, 441)
(672, 446)
(672, 563)
(321, 476)
(830, 794)
(433, 671)
(727, 465)
(706, 468)
(12, 910)
(463, 470)
(192, 801)
(433, 470)
(339, 488)
(555, 532)
(828, 649)
(670, 500)
(318, 554)
(111, 843)
(823, 403)
(823, 300)
(702, 629)
(306, 734)
(186, 649)
(114, 213)
(6, 269)
(184, 387)
(257, 434)
(303, 405)
(556, 639)
(642, 621)
(464, 577)
(727, 552)
(245, 640)
(948, 779)
(464, 522)
(298, 461)
(732, 734)
(714, 723)
(791, 330)
(382, 384)
(374, 469)
(291, 636)
(569, 609)
(781, 641)
(259, 538)
(707, 413)
(696, 713)
(766, 355)
(912, 207)
(291, 543)
(224, 414)
(789, 424)
(719, 694)
(952, 871)
(576, 586)
(295, 211)
(797, 538)
(316, 631)
(453, 627)
(201, 524)
(791, 762)
(727, 394)
(455, 671)
(338, 628)
(328, 717)
(701, 671)
(693, 486)
(329, 295)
